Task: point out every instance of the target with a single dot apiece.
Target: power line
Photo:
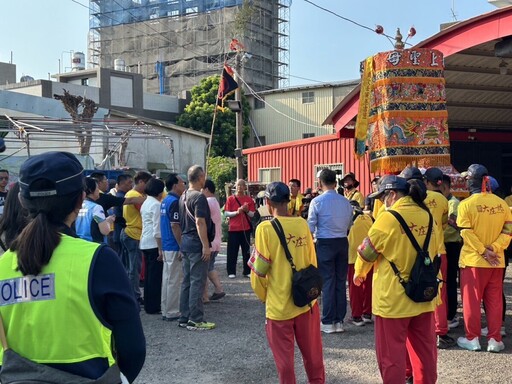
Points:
(391, 38)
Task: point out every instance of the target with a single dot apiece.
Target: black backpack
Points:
(423, 283)
(306, 283)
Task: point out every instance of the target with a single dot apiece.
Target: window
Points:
(308, 97)
(307, 135)
(84, 81)
(338, 168)
(268, 175)
(261, 139)
(259, 104)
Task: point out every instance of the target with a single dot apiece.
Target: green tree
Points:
(198, 115)
(221, 170)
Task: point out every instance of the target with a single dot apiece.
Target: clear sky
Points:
(323, 47)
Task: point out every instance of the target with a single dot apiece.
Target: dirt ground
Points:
(237, 351)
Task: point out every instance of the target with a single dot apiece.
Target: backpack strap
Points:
(413, 240)
(280, 233)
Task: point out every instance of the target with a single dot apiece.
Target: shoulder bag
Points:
(306, 283)
(423, 282)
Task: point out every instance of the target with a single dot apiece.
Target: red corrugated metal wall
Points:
(298, 161)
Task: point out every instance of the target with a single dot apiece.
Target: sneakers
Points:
(357, 321)
(495, 346)
(470, 345)
(453, 323)
(445, 341)
(327, 328)
(217, 296)
(248, 276)
(182, 324)
(201, 326)
(485, 331)
(367, 318)
(231, 276)
(338, 327)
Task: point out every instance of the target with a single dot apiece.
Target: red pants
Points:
(441, 311)
(305, 329)
(418, 336)
(477, 284)
(360, 297)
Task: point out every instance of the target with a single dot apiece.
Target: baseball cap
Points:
(475, 171)
(433, 174)
(277, 192)
(390, 183)
(50, 174)
(494, 184)
(411, 173)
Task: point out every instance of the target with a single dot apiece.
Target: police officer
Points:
(65, 299)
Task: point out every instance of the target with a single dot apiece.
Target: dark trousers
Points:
(152, 281)
(332, 256)
(452, 258)
(235, 241)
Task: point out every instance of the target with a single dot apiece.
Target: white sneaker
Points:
(485, 331)
(470, 345)
(495, 346)
(327, 328)
(231, 276)
(338, 327)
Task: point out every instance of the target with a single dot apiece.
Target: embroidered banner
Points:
(405, 112)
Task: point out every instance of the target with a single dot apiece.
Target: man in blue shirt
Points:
(172, 274)
(329, 218)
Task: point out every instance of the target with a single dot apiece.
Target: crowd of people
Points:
(365, 240)
(167, 233)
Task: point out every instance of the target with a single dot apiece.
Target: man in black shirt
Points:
(195, 220)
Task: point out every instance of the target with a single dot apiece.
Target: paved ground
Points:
(237, 352)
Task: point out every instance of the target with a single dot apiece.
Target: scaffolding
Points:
(187, 40)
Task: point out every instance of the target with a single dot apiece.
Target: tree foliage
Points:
(221, 170)
(198, 115)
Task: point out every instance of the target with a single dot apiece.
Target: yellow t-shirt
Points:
(131, 214)
(357, 234)
(295, 205)
(508, 200)
(386, 242)
(271, 277)
(438, 205)
(484, 220)
(378, 208)
(356, 196)
(451, 234)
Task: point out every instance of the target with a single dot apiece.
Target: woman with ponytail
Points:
(66, 301)
(400, 323)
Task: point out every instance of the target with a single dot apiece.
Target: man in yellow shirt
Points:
(438, 206)
(486, 226)
(453, 244)
(360, 297)
(508, 199)
(130, 235)
(295, 206)
(350, 184)
(271, 280)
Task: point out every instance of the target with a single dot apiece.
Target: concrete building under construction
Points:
(176, 43)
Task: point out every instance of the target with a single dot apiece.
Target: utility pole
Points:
(239, 120)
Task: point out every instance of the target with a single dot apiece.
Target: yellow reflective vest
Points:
(48, 318)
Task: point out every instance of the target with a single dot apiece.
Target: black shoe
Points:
(140, 300)
(409, 380)
(217, 296)
(445, 341)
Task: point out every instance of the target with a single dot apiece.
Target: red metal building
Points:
(477, 54)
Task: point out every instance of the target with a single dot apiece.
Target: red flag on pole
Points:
(227, 86)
